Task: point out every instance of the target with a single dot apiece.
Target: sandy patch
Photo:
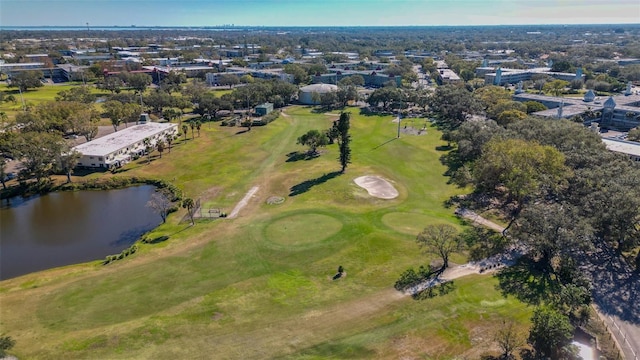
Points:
(377, 187)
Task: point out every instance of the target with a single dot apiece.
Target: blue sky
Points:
(315, 12)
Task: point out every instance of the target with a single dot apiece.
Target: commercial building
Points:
(306, 94)
(118, 148)
(371, 78)
(621, 112)
(501, 76)
(213, 78)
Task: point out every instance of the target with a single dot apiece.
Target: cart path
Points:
(243, 202)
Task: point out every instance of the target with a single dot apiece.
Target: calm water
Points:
(71, 227)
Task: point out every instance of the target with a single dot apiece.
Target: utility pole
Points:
(399, 120)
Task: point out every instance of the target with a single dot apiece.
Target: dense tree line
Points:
(563, 193)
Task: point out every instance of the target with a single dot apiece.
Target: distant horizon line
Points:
(232, 26)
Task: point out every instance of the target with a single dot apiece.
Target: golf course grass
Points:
(259, 286)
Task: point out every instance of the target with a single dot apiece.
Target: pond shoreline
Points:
(77, 223)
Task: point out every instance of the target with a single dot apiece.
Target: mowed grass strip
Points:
(248, 288)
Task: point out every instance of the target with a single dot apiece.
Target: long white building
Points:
(118, 148)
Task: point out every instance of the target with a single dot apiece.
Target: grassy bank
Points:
(259, 286)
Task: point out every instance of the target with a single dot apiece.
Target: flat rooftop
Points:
(621, 146)
(121, 139)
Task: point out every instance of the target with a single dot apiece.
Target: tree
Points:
(138, 82)
(634, 134)
(169, 139)
(440, 240)
(147, 148)
(170, 114)
(86, 120)
(247, 79)
(3, 119)
(454, 105)
(534, 106)
(189, 204)
(115, 111)
(314, 139)
(158, 100)
(510, 116)
(198, 125)
(67, 161)
(491, 95)
(328, 99)
(194, 90)
(160, 203)
(172, 81)
(509, 339)
(185, 128)
(208, 105)
(6, 343)
(228, 80)
(346, 94)
(522, 168)
(550, 332)
(192, 124)
(111, 83)
(3, 171)
(38, 152)
(300, 75)
(344, 140)
(25, 80)
(505, 105)
(160, 147)
(555, 87)
(79, 93)
(386, 96)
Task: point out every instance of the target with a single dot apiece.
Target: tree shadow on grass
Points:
(304, 186)
(297, 156)
(527, 281)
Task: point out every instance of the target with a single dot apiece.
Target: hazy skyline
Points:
(315, 12)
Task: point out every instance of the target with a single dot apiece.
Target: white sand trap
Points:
(377, 186)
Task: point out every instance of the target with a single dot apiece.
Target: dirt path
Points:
(243, 202)
(477, 219)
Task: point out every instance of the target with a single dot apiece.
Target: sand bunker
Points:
(377, 186)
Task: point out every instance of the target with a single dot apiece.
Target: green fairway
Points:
(260, 285)
(302, 229)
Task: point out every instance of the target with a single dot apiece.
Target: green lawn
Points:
(36, 96)
(259, 286)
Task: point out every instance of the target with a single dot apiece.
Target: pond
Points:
(64, 228)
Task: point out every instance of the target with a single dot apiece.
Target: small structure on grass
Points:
(264, 109)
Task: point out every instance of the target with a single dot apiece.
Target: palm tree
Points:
(160, 147)
(193, 126)
(185, 128)
(147, 148)
(169, 139)
(189, 205)
(198, 126)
